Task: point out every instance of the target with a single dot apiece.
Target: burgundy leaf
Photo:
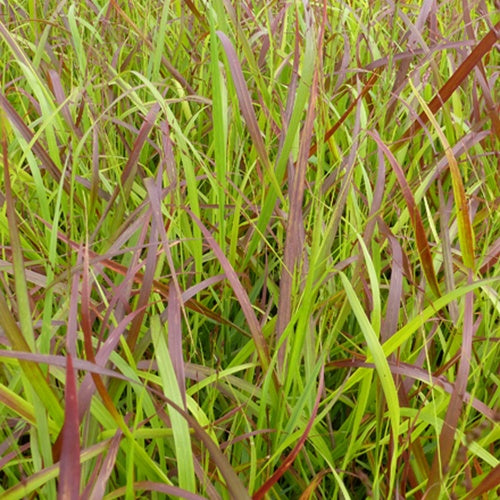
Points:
(69, 475)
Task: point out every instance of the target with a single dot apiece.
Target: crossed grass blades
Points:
(249, 249)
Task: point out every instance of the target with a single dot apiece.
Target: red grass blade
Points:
(446, 439)
(135, 29)
(87, 341)
(166, 489)
(465, 232)
(57, 360)
(174, 316)
(69, 475)
(234, 485)
(489, 483)
(130, 170)
(246, 107)
(483, 47)
(288, 461)
(175, 304)
(390, 321)
(36, 146)
(146, 285)
(241, 295)
(294, 241)
(416, 221)
(245, 100)
(106, 468)
(415, 373)
(369, 84)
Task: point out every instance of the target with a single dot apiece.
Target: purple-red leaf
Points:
(106, 468)
(445, 92)
(423, 249)
(69, 476)
(447, 437)
(287, 463)
(244, 99)
(241, 295)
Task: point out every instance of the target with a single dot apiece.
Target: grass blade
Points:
(288, 461)
(465, 232)
(33, 143)
(35, 482)
(180, 429)
(424, 251)
(446, 439)
(106, 468)
(23, 339)
(488, 484)
(241, 295)
(482, 48)
(247, 109)
(294, 241)
(382, 368)
(69, 472)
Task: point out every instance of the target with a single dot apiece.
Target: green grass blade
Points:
(180, 428)
(382, 368)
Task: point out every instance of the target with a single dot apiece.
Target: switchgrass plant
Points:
(249, 249)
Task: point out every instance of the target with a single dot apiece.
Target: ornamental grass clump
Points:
(249, 250)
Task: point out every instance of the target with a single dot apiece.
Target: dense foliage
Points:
(249, 249)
